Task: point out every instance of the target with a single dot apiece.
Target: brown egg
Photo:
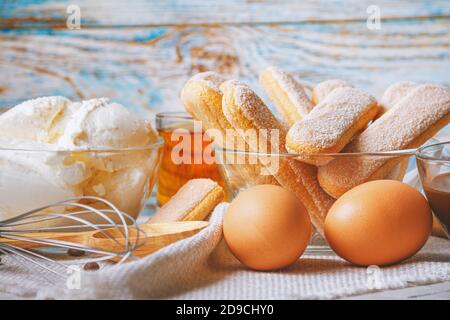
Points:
(266, 227)
(378, 223)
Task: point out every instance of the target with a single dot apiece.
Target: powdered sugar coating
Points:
(394, 94)
(212, 79)
(252, 106)
(412, 116)
(329, 121)
(323, 89)
(409, 124)
(254, 111)
(294, 91)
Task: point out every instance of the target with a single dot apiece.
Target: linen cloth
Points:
(202, 267)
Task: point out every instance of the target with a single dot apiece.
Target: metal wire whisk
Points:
(48, 226)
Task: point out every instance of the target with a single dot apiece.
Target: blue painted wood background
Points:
(140, 53)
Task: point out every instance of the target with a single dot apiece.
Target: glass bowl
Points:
(236, 164)
(433, 162)
(30, 178)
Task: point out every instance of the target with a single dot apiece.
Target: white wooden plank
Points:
(145, 68)
(175, 12)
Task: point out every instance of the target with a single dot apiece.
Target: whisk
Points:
(71, 224)
(103, 232)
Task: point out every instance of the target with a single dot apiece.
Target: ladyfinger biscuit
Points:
(409, 124)
(193, 202)
(324, 88)
(287, 94)
(330, 126)
(202, 98)
(394, 94)
(391, 96)
(248, 113)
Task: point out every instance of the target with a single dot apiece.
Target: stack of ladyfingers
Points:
(336, 118)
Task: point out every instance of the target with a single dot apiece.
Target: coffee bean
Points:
(91, 266)
(75, 252)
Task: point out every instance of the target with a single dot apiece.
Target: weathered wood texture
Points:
(175, 12)
(145, 68)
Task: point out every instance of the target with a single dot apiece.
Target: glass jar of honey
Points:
(187, 154)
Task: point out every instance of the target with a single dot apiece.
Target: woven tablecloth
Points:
(202, 267)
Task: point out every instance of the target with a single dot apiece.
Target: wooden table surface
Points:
(140, 53)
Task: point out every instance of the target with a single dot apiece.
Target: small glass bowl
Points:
(30, 179)
(433, 162)
(237, 181)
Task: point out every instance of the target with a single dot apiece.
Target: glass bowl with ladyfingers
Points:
(317, 145)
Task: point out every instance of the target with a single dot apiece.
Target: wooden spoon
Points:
(158, 235)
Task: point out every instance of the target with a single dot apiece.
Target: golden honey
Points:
(172, 174)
